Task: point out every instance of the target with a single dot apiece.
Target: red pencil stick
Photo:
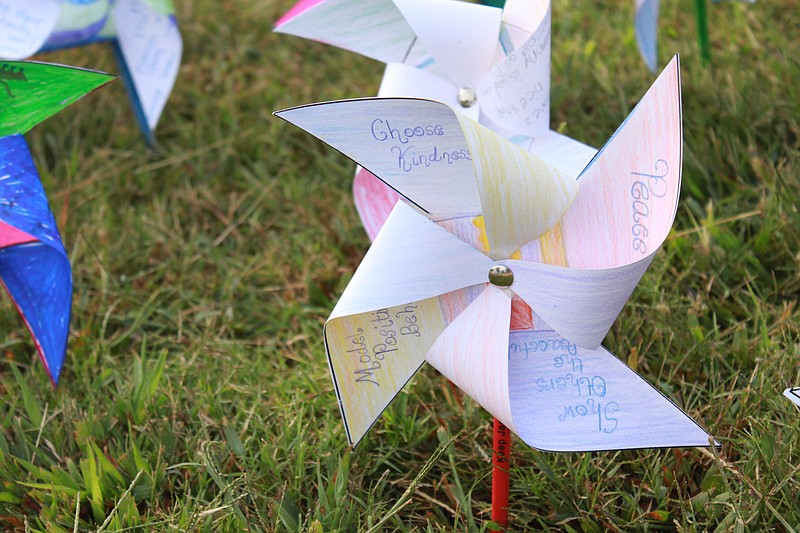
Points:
(501, 449)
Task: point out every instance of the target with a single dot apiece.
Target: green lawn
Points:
(196, 394)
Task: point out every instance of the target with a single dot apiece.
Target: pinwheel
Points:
(490, 64)
(144, 35)
(34, 267)
(503, 272)
(793, 393)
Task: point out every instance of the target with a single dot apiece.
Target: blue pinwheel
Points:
(34, 267)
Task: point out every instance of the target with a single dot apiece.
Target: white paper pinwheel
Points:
(144, 34)
(565, 255)
(490, 64)
(793, 393)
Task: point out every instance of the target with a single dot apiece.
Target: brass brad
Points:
(501, 275)
(467, 96)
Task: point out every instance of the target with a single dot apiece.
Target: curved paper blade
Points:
(36, 273)
(80, 23)
(472, 352)
(620, 218)
(412, 259)
(388, 317)
(646, 26)
(30, 92)
(566, 154)
(460, 36)
(25, 26)
(515, 95)
(580, 304)
(373, 355)
(374, 201)
(408, 81)
(629, 192)
(39, 280)
(24, 204)
(150, 51)
(521, 195)
(570, 399)
(374, 28)
(415, 146)
(525, 15)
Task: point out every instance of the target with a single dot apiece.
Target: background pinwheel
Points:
(490, 64)
(34, 267)
(143, 33)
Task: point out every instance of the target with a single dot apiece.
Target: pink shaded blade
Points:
(374, 201)
(9, 236)
(300, 7)
(472, 352)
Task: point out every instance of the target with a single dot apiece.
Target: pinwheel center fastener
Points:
(467, 96)
(501, 275)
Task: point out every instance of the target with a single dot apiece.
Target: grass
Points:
(196, 394)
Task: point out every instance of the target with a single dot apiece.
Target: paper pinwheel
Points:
(144, 35)
(490, 64)
(793, 394)
(34, 267)
(561, 257)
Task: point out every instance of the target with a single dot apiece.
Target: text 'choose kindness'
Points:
(410, 156)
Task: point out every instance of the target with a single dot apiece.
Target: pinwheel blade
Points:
(566, 154)
(374, 201)
(380, 31)
(580, 304)
(629, 192)
(32, 92)
(25, 26)
(621, 216)
(460, 36)
(389, 316)
(569, 399)
(521, 195)
(34, 267)
(527, 15)
(472, 352)
(411, 259)
(80, 23)
(149, 48)
(415, 146)
(39, 280)
(515, 95)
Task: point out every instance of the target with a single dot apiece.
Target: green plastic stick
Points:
(702, 31)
